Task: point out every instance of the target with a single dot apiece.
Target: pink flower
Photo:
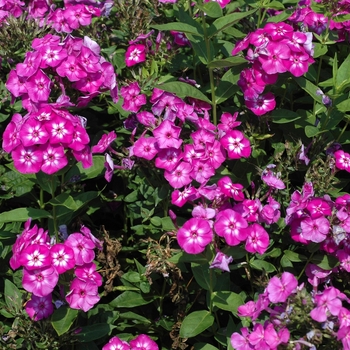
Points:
(180, 176)
(194, 235)
(27, 160)
(133, 100)
(144, 147)
(40, 282)
(135, 54)
(143, 342)
(168, 158)
(60, 130)
(11, 138)
(167, 135)
(62, 257)
(116, 344)
(271, 179)
(88, 272)
(221, 262)
(38, 86)
(35, 256)
(71, 69)
(231, 190)
(82, 247)
(39, 308)
(241, 342)
(261, 104)
(83, 295)
(33, 132)
(258, 239)
(276, 58)
(236, 145)
(222, 3)
(315, 230)
(279, 289)
(104, 142)
(342, 160)
(54, 159)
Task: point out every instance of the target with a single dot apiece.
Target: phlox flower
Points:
(257, 240)
(38, 86)
(89, 60)
(180, 198)
(54, 159)
(10, 137)
(35, 256)
(60, 130)
(231, 190)
(228, 121)
(327, 302)
(270, 213)
(16, 84)
(135, 54)
(39, 308)
(232, 226)
(222, 3)
(299, 63)
(279, 289)
(342, 160)
(30, 65)
(52, 56)
(88, 272)
(27, 160)
(133, 100)
(62, 257)
(201, 137)
(179, 176)
(180, 38)
(215, 153)
(83, 295)
(241, 341)
(168, 158)
(236, 145)
(146, 118)
(77, 15)
(104, 142)
(344, 335)
(143, 342)
(276, 58)
(271, 179)
(144, 147)
(116, 344)
(80, 138)
(40, 282)
(88, 234)
(71, 69)
(221, 261)
(315, 230)
(318, 207)
(261, 104)
(82, 247)
(33, 132)
(167, 135)
(202, 171)
(194, 235)
(84, 156)
(164, 102)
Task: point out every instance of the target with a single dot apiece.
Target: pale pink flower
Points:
(315, 230)
(180, 176)
(194, 235)
(279, 289)
(83, 295)
(88, 272)
(82, 247)
(39, 308)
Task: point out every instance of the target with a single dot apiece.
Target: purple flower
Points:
(221, 261)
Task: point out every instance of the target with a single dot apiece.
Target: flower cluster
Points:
(141, 342)
(321, 220)
(276, 48)
(287, 305)
(38, 140)
(43, 262)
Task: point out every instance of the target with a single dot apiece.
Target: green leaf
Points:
(195, 323)
(211, 9)
(341, 18)
(131, 197)
(47, 182)
(343, 106)
(93, 332)
(13, 297)
(319, 50)
(309, 88)
(276, 5)
(64, 199)
(227, 62)
(179, 27)
(185, 257)
(20, 184)
(326, 262)
(63, 318)
(183, 90)
(95, 170)
(285, 262)
(204, 276)
(200, 48)
(342, 78)
(281, 16)
(228, 85)
(227, 21)
(167, 224)
(23, 214)
(204, 346)
(262, 265)
(283, 116)
(228, 301)
(131, 299)
(295, 257)
(311, 131)
(135, 317)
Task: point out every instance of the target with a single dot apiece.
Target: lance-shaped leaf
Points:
(195, 323)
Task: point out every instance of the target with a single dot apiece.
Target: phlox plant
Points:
(181, 170)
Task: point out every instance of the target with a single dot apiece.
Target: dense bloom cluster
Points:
(39, 140)
(72, 16)
(276, 48)
(44, 260)
(141, 342)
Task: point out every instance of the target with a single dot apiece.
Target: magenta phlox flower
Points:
(270, 214)
(318, 207)
(52, 56)
(232, 226)
(261, 104)
(167, 135)
(221, 261)
(202, 171)
(180, 198)
(82, 247)
(344, 259)
(241, 341)
(222, 3)
(54, 159)
(89, 84)
(316, 22)
(273, 339)
(231, 190)
(33, 132)
(257, 240)
(16, 84)
(135, 54)
(109, 165)
(60, 130)
(179, 176)
(88, 272)
(215, 153)
(88, 234)
(258, 339)
(299, 63)
(247, 310)
(185, 112)
(35, 256)
(194, 235)
(62, 257)
(116, 343)
(38, 86)
(144, 147)
(316, 274)
(30, 65)
(133, 100)
(40, 282)
(191, 153)
(11, 138)
(279, 289)
(168, 158)
(271, 179)
(165, 102)
(27, 160)
(143, 342)
(39, 308)
(83, 295)
(89, 60)
(236, 145)
(84, 156)
(201, 137)
(249, 209)
(228, 122)
(279, 31)
(342, 160)
(344, 317)
(328, 303)
(104, 142)
(146, 118)
(77, 15)
(250, 87)
(71, 69)
(344, 335)
(276, 58)
(315, 230)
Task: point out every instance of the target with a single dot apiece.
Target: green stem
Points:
(307, 262)
(211, 290)
(317, 81)
(342, 132)
(162, 299)
(54, 215)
